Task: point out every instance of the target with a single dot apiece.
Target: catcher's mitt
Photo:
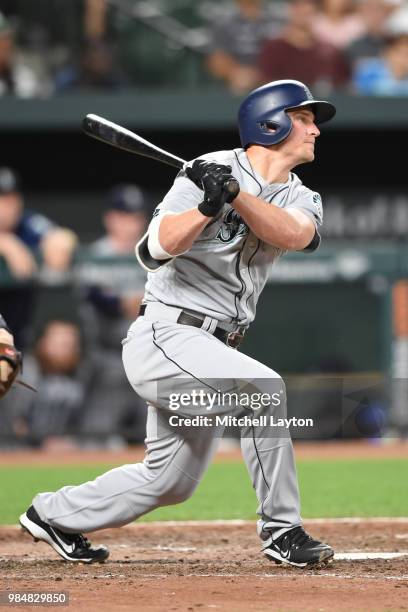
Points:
(10, 366)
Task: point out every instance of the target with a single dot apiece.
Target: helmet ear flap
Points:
(269, 127)
(273, 129)
(264, 126)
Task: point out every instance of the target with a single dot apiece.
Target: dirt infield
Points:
(161, 567)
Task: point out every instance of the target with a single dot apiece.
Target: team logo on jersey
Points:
(232, 226)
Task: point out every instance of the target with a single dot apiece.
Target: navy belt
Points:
(230, 338)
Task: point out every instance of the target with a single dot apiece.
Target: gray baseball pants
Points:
(159, 357)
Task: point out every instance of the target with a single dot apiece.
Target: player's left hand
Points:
(212, 178)
(200, 168)
(10, 366)
(215, 193)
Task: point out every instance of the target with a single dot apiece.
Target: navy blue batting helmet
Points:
(263, 118)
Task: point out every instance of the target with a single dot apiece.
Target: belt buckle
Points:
(234, 339)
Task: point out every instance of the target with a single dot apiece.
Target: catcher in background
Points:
(10, 358)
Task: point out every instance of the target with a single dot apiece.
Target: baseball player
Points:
(209, 254)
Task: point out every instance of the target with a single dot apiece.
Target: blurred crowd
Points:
(69, 306)
(53, 46)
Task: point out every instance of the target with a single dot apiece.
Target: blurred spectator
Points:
(117, 299)
(47, 25)
(125, 220)
(22, 233)
(297, 54)
(374, 14)
(53, 34)
(338, 23)
(96, 69)
(19, 230)
(387, 75)
(56, 295)
(57, 250)
(115, 302)
(56, 369)
(237, 40)
(16, 78)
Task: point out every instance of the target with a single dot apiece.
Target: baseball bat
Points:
(122, 138)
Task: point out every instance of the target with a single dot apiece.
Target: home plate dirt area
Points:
(217, 566)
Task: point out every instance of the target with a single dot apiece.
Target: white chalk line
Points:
(365, 556)
(341, 556)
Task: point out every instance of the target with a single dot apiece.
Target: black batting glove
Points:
(216, 192)
(215, 180)
(200, 168)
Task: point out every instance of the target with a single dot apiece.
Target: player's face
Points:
(301, 141)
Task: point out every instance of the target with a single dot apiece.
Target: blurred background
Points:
(334, 324)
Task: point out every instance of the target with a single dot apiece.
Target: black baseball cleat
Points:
(296, 547)
(71, 546)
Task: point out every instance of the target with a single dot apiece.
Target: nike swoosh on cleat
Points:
(284, 553)
(67, 547)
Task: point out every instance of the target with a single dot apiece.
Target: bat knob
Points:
(232, 187)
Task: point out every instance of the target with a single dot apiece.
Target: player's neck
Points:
(269, 164)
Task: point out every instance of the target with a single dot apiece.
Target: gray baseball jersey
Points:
(224, 272)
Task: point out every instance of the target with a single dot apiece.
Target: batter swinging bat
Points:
(124, 139)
